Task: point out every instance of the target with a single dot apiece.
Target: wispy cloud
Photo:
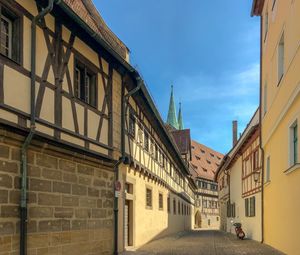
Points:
(222, 86)
(212, 102)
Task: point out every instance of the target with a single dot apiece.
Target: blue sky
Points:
(209, 51)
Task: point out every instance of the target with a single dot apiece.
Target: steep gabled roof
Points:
(182, 139)
(87, 12)
(205, 161)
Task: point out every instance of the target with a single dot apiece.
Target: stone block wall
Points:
(70, 200)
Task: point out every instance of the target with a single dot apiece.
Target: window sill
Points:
(149, 207)
(292, 168)
(267, 183)
(7, 59)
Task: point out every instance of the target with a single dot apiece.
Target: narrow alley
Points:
(204, 242)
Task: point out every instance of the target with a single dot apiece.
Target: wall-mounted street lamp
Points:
(256, 176)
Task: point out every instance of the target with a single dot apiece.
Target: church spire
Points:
(172, 120)
(180, 121)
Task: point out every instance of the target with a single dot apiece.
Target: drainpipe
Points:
(123, 159)
(260, 138)
(24, 149)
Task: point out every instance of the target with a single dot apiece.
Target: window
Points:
(152, 147)
(156, 152)
(230, 210)
(148, 198)
(85, 84)
(250, 207)
(281, 58)
(255, 160)
(6, 36)
(128, 188)
(140, 135)
(265, 98)
(293, 144)
(174, 206)
(182, 209)
(168, 204)
(10, 43)
(178, 207)
(204, 203)
(146, 141)
(268, 169)
(160, 201)
(217, 218)
(266, 24)
(213, 187)
(132, 125)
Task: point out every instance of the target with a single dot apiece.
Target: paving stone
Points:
(203, 242)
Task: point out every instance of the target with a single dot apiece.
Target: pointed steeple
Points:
(180, 121)
(172, 119)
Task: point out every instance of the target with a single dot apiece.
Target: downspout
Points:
(123, 158)
(24, 149)
(260, 137)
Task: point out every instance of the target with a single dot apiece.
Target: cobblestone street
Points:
(204, 242)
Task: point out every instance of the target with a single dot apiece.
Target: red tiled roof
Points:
(86, 11)
(205, 161)
(182, 139)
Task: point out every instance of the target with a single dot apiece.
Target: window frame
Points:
(293, 143)
(86, 69)
(10, 12)
(174, 206)
(280, 58)
(160, 201)
(149, 205)
(132, 125)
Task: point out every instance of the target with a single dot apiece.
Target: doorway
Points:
(128, 224)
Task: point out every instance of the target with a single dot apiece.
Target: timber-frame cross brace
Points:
(58, 58)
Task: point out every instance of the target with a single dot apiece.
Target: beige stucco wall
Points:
(149, 224)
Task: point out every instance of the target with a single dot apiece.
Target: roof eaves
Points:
(257, 6)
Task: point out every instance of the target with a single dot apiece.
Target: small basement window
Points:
(85, 84)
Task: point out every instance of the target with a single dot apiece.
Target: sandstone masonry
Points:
(70, 200)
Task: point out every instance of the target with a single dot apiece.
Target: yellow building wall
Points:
(149, 224)
(281, 194)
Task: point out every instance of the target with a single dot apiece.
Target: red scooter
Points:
(239, 231)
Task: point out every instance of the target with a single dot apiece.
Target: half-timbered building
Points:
(86, 164)
(204, 164)
(239, 177)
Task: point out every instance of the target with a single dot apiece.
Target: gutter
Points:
(123, 159)
(24, 149)
(98, 38)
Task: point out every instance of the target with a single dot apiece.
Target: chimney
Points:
(234, 132)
